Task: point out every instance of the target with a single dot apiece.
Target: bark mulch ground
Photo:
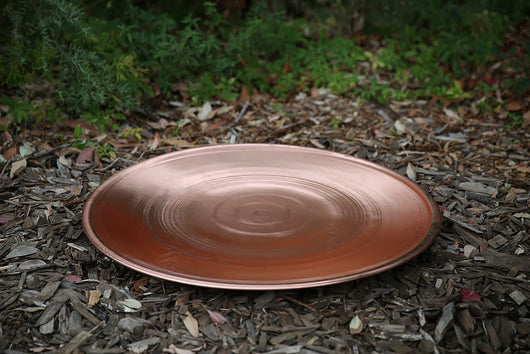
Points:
(467, 293)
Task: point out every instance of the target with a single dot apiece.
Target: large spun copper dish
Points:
(260, 217)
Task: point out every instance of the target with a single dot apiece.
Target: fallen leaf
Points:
(72, 278)
(400, 127)
(30, 264)
(9, 153)
(65, 161)
(514, 106)
(75, 189)
(25, 150)
(214, 126)
(244, 95)
(174, 350)
(153, 144)
(216, 317)
(93, 297)
(356, 325)
(470, 251)
(522, 215)
(191, 324)
(130, 305)
(87, 155)
(140, 283)
(452, 115)
(17, 167)
(177, 142)
(411, 172)
(204, 111)
(469, 296)
(526, 120)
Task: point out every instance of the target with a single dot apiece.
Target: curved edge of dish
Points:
(426, 242)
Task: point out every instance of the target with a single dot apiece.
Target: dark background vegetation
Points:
(100, 59)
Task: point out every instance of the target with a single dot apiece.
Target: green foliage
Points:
(50, 39)
(516, 120)
(459, 33)
(104, 150)
(103, 118)
(131, 132)
(99, 65)
(19, 110)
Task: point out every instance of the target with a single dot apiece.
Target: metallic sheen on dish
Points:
(257, 216)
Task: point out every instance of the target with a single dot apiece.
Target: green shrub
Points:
(50, 40)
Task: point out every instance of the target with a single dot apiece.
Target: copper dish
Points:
(256, 216)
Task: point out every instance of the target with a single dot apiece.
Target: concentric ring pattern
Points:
(257, 216)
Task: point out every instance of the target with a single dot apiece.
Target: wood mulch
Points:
(467, 293)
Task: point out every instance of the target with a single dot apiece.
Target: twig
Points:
(49, 152)
(298, 302)
(289, 126)
(108, 166)
(245, 107)
(5, 166)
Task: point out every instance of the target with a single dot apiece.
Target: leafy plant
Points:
(515, 120)
(335, 122)
(103, 118)
(50, 39)
(131, 132)
(19, 110)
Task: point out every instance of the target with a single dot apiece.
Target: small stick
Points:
(298, 302)
(245, 107)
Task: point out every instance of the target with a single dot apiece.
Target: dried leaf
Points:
(140, 283)
(25, 150)
(87, 155)
(17, 167)
(526, 120)
(469, 296)
(72, 278)
(65, 161)
(93, 297)
(205, 111)
(10, 153)
(356, 325)
(30, 264)
(244, 95)
(191, 324)
(400, 127)
(172, 349)
(217, 317)
(130, 305)
(411, 172)
(452, 115)
(514, 106)
(470, 251)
